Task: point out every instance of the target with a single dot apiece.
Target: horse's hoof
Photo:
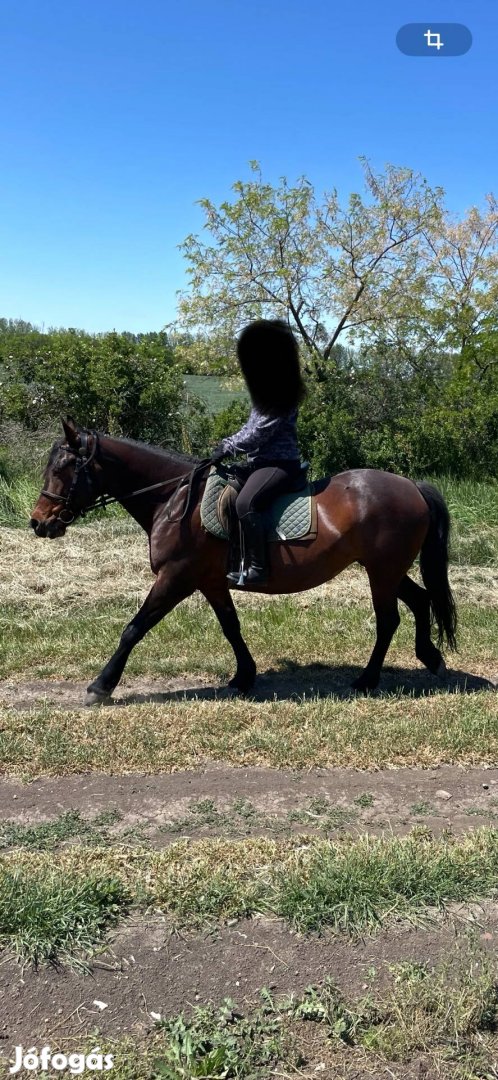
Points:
(94, 698)
(240, 686)
(364, 686)
(442, 671)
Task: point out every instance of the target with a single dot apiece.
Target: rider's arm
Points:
(254, 434)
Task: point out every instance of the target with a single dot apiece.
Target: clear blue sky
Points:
(116, 117)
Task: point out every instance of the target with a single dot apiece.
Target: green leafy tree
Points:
(330, 270)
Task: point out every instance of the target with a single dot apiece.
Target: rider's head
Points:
(269, 358)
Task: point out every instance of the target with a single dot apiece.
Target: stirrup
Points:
(236, 577)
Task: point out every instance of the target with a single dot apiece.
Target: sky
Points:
(116, 118)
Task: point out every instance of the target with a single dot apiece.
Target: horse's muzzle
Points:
(51, 529)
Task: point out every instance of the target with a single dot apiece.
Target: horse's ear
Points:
(71, 431)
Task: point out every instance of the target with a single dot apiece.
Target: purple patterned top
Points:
(271, 438)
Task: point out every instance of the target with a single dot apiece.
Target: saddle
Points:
(291, 516)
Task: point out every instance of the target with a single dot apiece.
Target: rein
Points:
(84, 459)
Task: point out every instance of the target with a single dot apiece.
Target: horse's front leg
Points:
(170, 588)
(219, 597)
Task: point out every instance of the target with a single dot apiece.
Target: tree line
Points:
(394, 302)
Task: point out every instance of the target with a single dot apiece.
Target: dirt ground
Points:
(148, 969)
(313, 679)
(162, 808)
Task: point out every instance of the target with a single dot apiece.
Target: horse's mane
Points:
(184, 461)
(171, 455)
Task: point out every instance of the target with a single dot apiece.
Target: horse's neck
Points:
(121, 460)
(127, 468)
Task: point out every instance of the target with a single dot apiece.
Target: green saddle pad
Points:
(289, 517)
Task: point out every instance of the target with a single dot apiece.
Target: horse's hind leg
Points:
(385, 602)
(417, 599)
(170, 587)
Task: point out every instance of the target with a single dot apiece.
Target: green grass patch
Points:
(46, 916)
(49, 834)
(189, 640)
(365, 800)
(351, 885)
(17, 498)
(221, 1042)
(473, 507)
(216, 392)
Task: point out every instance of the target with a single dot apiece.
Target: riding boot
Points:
(253, 530)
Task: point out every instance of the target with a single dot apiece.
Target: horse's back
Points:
(371, 491)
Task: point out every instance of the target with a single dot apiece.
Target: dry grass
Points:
(109, 561)
(364, 733)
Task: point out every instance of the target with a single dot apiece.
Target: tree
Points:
(115, 382)
(451, 313)
(331, 271)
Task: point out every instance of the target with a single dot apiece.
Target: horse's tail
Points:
(434, 566)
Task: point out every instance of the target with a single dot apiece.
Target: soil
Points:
(148, 969)
(291, 681)
(159, 809)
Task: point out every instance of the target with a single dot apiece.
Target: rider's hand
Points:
(217, 454)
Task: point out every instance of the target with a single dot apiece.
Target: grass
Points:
(217, 393)
(221, 1042)
(46, 917)
(365, 800)
(76, 644)
(448, 1012)
(18, 497)
(422, 809)
(49, 834)
(473, 507)
(242, 816)
(152, 738)
(350, 885)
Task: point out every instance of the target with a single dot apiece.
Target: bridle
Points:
(83, 458)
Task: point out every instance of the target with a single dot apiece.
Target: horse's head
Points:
(69, 482)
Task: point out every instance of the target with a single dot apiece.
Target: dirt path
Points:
(313, 679)
(253, 801)
(148, 969)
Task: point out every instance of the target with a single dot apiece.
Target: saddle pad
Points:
(290, 517)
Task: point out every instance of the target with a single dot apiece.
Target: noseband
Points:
(83, 459)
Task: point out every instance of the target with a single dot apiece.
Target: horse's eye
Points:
(60, 467)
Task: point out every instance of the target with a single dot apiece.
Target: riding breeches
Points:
(264, 484)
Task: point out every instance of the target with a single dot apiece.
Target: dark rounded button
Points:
(434, 39)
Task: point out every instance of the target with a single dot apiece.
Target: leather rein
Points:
(83, 459)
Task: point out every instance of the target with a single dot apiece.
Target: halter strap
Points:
(83, 460)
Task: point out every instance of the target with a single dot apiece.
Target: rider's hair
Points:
(269, 357)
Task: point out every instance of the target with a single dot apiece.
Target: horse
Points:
(377, 519)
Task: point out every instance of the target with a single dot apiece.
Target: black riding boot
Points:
(255, 560)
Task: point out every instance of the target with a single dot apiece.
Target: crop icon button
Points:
(434, 39)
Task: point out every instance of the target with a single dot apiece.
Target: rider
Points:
(269, 358)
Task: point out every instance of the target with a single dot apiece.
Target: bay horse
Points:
(378, 519)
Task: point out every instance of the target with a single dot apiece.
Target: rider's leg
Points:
(258, 492)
